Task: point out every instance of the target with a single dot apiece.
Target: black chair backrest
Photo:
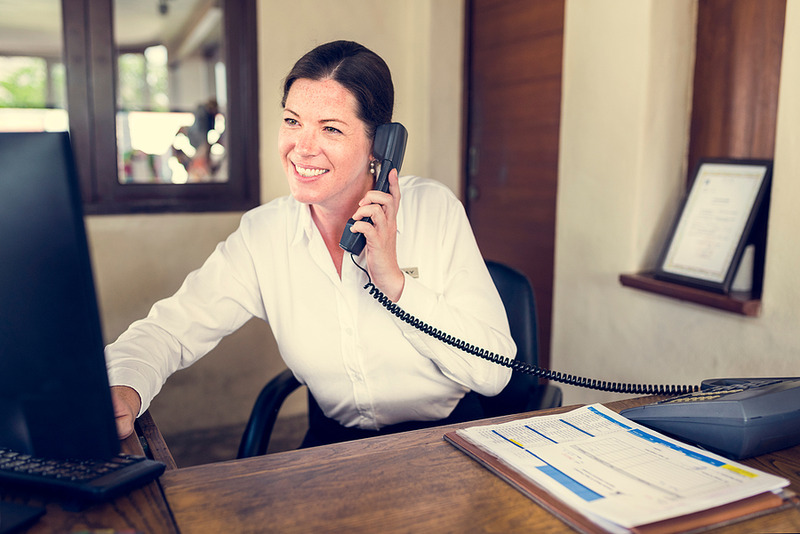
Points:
(517, 294)
(518, 298)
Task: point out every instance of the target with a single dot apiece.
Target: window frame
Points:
(90, 60)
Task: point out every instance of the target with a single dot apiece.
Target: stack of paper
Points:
(617, 474)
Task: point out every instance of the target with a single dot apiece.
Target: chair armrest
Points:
(255, 438)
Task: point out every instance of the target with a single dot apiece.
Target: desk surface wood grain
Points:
(412, 482)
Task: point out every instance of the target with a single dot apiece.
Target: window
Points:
(147, 86)
(32, 77)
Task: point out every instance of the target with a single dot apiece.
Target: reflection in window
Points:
(171, 96)
(172, 64)
(32, 79)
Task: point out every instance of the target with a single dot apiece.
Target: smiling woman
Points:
(148, 97)
(283, 265)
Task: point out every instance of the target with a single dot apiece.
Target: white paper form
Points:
(606, 466)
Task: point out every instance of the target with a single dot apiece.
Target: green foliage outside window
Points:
(23, 82)
(143, 81)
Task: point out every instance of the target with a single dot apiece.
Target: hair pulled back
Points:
(359, 70)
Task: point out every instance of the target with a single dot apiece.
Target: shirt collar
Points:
(305, 225)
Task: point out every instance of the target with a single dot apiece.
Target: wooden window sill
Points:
(740, 302)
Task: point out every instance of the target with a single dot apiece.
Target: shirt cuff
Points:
(135, 379)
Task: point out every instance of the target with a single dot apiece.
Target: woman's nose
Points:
(307, 143)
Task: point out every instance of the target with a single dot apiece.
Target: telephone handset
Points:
(389, 148)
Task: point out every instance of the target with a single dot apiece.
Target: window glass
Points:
(149, 118)
(171, 97)
(32, 79)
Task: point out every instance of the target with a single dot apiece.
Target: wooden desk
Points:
(412, 482)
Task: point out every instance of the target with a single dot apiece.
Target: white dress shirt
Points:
(365, 367)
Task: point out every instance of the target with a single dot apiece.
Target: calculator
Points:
(735, 417)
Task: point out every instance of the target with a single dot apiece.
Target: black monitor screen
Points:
(54, 396)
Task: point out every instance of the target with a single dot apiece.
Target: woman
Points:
(368, 370)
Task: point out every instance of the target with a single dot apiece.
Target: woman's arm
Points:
(453, 292)
(212, 302)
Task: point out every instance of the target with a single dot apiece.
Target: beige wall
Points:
(141, 258)
(627, 79)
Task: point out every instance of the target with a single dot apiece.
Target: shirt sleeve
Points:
(461, 301)
(212, 302)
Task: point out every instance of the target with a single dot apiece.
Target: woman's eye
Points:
(290, 121)
(331, 129)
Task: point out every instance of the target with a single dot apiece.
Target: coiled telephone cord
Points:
(517, 365)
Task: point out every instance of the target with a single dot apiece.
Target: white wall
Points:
(139, 259)
(625, 115)
(780, 352)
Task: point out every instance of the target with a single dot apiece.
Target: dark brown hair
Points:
(360, 70)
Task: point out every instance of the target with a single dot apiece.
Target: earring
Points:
(372, 167)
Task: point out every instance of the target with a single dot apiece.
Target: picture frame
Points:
(709, 234)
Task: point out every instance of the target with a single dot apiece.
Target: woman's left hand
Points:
(382, 237)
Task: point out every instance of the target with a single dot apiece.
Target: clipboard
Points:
(751, 507)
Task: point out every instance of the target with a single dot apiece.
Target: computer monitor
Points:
(54, 393)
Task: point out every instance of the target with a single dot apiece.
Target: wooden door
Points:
(513, 95)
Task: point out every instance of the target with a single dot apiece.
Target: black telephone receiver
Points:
(389, 148)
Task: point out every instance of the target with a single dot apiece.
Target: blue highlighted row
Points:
(587, 494)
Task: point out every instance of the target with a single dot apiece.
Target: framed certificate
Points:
(713, 225)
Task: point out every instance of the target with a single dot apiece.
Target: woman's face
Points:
(324, 146)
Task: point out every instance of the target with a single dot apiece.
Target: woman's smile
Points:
(308, 172)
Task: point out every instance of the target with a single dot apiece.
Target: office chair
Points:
(523, 392)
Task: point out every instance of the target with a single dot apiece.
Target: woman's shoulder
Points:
(429, 203)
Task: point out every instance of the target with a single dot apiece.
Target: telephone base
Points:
(735, 417)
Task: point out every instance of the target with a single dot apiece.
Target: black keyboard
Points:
(78, 480)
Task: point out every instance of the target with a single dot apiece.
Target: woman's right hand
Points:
(127, 404)
(381, 237)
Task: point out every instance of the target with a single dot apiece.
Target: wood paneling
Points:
(737, 72)
(514, 63)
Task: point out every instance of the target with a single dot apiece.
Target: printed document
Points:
(616, 472)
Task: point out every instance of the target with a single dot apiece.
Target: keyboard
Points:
(77, 480)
